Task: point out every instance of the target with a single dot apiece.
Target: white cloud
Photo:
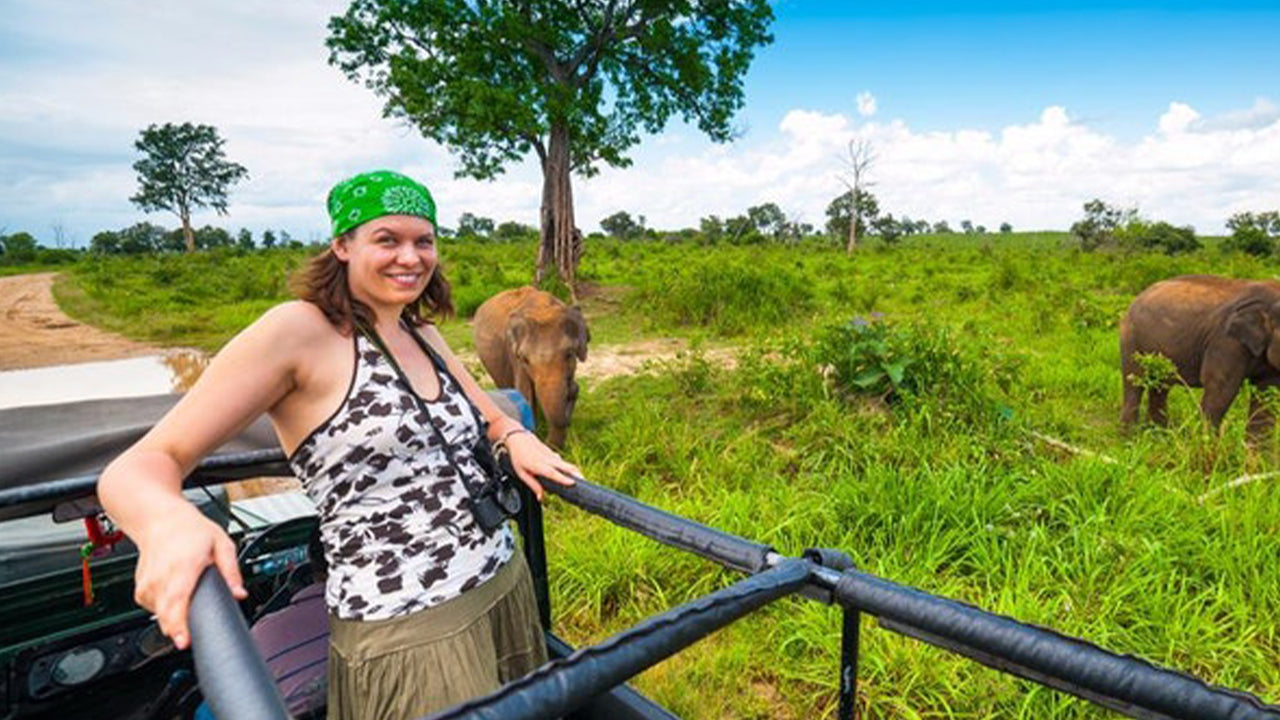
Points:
(866, 104)
(1034, 175)
(1261, 114)
(1178, 119)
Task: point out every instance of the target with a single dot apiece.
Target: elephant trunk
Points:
(556, 393)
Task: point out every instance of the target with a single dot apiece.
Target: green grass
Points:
(941, 484)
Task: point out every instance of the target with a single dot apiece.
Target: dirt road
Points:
(35, 333)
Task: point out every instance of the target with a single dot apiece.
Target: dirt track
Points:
(35, 333)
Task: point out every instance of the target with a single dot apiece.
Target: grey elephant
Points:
(529, 340)
(1219, 332)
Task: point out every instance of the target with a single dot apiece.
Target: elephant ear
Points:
(1248, 324)
(576, 327)
(517, 332)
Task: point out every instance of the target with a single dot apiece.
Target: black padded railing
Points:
(233, 677)
(213, 470)
(715, 545)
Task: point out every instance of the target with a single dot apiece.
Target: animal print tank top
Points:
(395, 518)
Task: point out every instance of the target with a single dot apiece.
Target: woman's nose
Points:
(407, 254)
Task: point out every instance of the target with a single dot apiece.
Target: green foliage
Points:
(512, 231)
(1250, 240)
(183, 169)
(1253, 233)
(18, 248)
(622, 226)
(498, 78)
(911, 366)
(1099, 225)
(843, 208)
(729, 298)
(471, 226)
(1141, 234)
(1155, 371)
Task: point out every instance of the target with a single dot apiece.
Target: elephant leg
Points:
(1217, 400)
(1261, 420)
(1132, 401)
(1157, 406)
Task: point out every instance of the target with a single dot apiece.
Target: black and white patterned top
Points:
(395, 519)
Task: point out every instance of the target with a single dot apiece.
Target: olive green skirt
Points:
(405, 668)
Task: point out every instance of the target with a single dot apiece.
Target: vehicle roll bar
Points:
(233, 677)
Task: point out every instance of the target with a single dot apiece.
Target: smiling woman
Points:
(389, 435)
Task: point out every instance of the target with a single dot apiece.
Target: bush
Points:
(922, 370)
(1160, 236)
(905, 363)
(1250, 240)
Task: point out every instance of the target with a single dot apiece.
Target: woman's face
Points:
(389, 260)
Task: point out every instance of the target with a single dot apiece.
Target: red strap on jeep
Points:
(98, 539)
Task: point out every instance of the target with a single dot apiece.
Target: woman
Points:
(380, 421)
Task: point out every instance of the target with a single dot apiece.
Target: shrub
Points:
(919, 369)
(900, 363)
(1161, 235)
(1250, 240)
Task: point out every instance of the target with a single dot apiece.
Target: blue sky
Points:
(991, 112)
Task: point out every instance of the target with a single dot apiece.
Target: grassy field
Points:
(893, 404)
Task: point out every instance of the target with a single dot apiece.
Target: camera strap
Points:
(441, 372)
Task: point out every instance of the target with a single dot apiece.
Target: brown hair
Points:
(324, 282)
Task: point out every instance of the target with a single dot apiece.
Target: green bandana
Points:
(370, 195)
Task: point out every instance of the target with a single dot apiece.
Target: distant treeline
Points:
(1103, 226)
(22, 248)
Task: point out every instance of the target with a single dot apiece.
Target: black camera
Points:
(498, 499)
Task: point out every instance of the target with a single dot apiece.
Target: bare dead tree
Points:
(857, 166)
(59, 235)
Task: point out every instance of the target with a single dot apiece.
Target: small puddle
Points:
(149, 375)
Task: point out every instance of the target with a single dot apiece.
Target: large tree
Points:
(574, 82)
(184, 169)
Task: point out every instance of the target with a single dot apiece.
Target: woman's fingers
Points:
(224, 557)
(530, 482)
(169, 569)
(172, 612)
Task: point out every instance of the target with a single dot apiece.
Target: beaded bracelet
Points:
(511, 432)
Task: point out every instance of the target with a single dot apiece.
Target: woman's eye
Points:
(426, 242)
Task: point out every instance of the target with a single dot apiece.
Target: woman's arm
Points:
(142, 489)
(530, 458)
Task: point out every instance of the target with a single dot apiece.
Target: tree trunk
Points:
(188, 234)
(853, 226)
(558, 248)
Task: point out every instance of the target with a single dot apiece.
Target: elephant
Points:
(529, 340)
(1218, 332)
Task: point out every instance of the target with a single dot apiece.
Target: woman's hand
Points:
(531, 460)
(172, 556)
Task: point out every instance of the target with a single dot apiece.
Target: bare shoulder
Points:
(290, 325)
(297, 316)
